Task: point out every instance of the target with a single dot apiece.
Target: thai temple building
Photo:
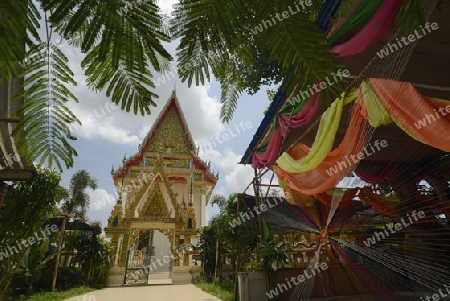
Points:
(163, 193)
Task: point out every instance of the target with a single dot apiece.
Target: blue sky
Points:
(108, 134)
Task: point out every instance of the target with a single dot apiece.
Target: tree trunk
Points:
(91, 263)
(216, 269)
(58, 253)
(235, 271)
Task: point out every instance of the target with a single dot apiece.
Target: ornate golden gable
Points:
(155, 206)
(160, 176)
(170, 135)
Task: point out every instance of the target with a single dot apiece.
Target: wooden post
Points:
(257, 203)
(58, 252)
(91, 261)
(217, 259)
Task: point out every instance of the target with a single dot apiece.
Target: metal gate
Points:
(139, 256)
(147, 265)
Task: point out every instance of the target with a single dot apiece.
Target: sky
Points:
(108, 135)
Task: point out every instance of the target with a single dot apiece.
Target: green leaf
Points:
(44, 126)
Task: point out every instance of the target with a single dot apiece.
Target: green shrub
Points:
(69, 277)
(222, 289)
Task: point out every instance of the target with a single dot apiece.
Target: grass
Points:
(57, 296)
(221, 289)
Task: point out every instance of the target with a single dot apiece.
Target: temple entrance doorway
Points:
(149, 259)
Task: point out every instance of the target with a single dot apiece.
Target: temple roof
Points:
(172, 103)
(158, 134)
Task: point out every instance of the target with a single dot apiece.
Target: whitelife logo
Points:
(317, 87)
(227, 135)
(11, 250)
(108, 106)
(359, 156)
(243, 216)
(381, 235)
(429, 118)
(142, 180)
(280, 288)
(8, 160)
(152, 266)
(281, 17)
(390, 48)
(87, 297)
(437, 297)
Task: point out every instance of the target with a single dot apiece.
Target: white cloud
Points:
(201, 112)
(237, 177)
(101, 205)
(144, 131)
(166, 5)
(99, 121)
(100, 199)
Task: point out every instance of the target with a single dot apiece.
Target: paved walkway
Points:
(187, 292)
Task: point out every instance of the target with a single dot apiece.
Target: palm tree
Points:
(77, 200)
(122, 43)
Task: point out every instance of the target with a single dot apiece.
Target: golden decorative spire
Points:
(174, 91)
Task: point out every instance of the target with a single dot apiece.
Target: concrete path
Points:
(186, 292)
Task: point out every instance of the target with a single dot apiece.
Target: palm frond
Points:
(109, 24)
(46, 117)
(126, 85)
(301, 50)
(207, 50)
(229, 98)
(192, 23)
(292, 49)
(123, 43)
(18, 28)
(232, 85)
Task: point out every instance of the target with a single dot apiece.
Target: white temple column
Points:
(203, 208)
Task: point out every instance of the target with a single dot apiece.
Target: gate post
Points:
(126, 268)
